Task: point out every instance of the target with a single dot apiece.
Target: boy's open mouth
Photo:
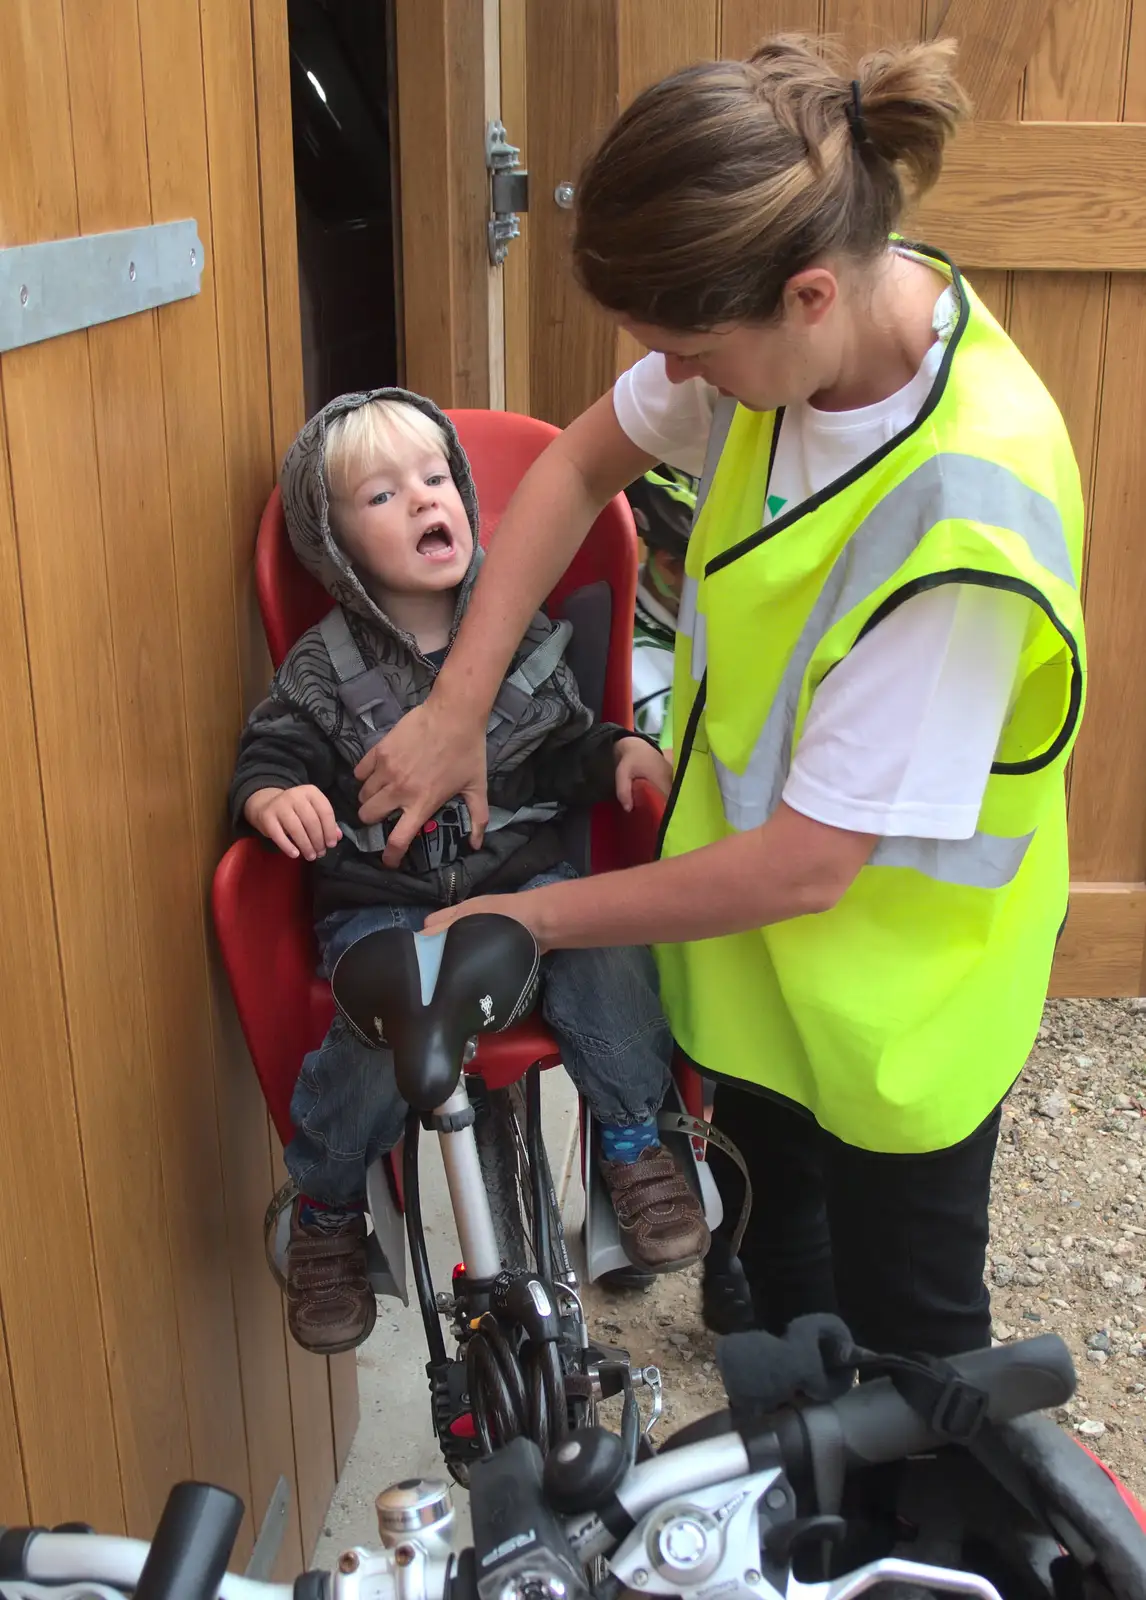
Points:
(437, 543)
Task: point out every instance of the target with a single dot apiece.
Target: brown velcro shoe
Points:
(661, 1219)
(330, 1304)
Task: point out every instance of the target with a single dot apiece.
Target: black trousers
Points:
(895, 1244)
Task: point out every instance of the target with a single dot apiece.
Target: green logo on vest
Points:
(775, 504)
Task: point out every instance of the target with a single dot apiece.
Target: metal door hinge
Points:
(62, 285)
(508, 189)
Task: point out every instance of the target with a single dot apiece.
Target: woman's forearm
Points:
(544, 525)
(791, 867)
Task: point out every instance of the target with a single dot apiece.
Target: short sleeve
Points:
(669, 421)
(900, 737)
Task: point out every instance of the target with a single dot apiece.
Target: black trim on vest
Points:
(685, 753)
(838, 485)
(994, 580)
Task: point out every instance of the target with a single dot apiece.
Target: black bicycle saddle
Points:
(426, 995)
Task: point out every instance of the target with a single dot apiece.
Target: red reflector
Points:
(464, 1427)
(431, 827)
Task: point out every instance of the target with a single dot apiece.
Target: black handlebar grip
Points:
(876, 1424)
(192, 1544)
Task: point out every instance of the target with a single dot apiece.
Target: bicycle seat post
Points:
(453, 1122)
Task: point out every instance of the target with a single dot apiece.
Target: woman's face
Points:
(762, 364)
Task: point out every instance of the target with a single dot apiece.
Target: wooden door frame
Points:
(446, 89)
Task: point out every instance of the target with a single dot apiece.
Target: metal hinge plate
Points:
(509, 191)
(63, 285)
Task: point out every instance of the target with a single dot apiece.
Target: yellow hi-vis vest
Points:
(902, 1016)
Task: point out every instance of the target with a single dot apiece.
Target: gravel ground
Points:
(1068, 1247)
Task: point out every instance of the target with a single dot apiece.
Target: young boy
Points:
(380, 508)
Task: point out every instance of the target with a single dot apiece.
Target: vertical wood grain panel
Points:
(744, 23)
(994, 290)
(312, 1421)
(445, 198)
(995, 45)
(1108, 817)
(50, 416)
(1058, 320)
(267, 1399)
(994, 80)
(654, 38)
(13, 1492)
(515, 115)
(201, 527)
(862, 26)
(127, 386)
(67, 1450)
(280, 238)
(572, 344)
(141, 453)
(50, 420)
(229, 87)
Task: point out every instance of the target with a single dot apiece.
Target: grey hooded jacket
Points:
(302, 733)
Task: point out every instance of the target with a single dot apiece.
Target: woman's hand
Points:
(299, 820)
(518, 906)
(634, 759)
(433, 754)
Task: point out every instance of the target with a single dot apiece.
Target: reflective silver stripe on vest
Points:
(693, 625)
(945, 487)
(985, 861)
(722, 414)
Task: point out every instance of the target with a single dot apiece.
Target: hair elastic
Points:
(860, 136)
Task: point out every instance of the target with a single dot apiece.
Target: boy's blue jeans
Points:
(602, 1006)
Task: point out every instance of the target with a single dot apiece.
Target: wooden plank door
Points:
(1041, 204)
(141, 1337)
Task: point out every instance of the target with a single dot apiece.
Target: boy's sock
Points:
(317, 1214)
(626, 1143)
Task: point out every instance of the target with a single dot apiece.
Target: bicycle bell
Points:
(416, 1508)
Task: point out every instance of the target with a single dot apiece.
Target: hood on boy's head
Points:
(306, 498)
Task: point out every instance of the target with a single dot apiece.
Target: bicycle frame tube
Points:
(538, 1171)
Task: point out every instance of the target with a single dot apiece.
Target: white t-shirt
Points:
(900, 738)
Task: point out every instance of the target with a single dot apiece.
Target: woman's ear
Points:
(810, 295)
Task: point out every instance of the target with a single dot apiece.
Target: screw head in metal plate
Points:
(776, 1499)
(564, 194)
(752, 1576)
(23, 294)
(131, 271)
(640, 1576)
(348, 1561)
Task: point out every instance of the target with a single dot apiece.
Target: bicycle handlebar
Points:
(871, 1424)
(192, 1544)
(877, 1425)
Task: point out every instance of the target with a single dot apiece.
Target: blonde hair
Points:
(377, 435)
(721, 182)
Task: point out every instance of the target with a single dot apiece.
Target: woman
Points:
(879, 676)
